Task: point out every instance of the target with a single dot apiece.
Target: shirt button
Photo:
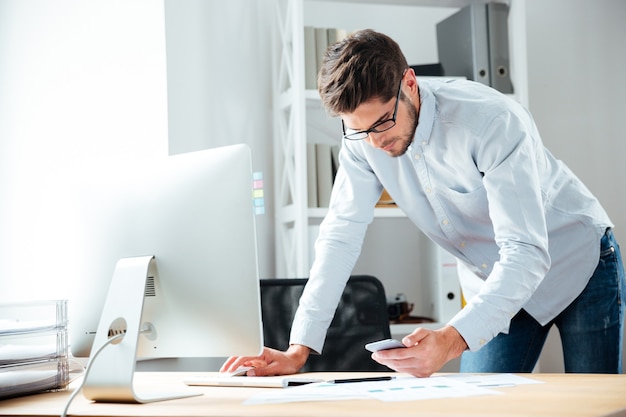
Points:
(428, 190)
(417, 156)
(482, 342)
(424, 142)
(484, 266)
(462, 244)
(445, 222)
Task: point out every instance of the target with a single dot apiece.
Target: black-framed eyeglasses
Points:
(379, 127)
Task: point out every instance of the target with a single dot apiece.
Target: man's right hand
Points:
(270, 362)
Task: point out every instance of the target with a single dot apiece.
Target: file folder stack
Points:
(474, 43)
(33, 347)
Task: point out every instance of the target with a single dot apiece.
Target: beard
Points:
(405, 138)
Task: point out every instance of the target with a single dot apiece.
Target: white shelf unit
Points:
(297, 109)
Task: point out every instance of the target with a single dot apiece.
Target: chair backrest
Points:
(361, 317)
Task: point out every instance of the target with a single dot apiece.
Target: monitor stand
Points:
(110, 372)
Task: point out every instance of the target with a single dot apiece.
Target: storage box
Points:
(16, 380)
(33, 347)
(35, 316)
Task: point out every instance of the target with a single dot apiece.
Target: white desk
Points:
(560, 395)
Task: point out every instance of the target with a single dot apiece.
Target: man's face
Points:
(394, 141)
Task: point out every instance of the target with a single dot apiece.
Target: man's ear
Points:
(410, 83)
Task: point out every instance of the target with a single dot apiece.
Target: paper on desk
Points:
(493, 380)
(320, 391)
(412, 389)
(400, 389)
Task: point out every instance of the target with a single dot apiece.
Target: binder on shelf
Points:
(474, 43)
(321, 43)
(316, 41)
(447, 290)
(311, 175)
(322, 166)
(334, 159)
(497, 19)
(324, 173)
(310, 59)
(335, 35)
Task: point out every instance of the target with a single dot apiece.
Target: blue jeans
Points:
(591, 327)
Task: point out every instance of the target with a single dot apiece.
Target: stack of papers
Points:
(33, 347)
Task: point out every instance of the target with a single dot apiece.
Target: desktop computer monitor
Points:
(166, 258)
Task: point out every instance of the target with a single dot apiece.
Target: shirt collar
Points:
(426, 117)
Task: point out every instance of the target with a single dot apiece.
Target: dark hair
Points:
(361, 67)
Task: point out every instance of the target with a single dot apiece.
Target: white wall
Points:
(82, 83)
(577, 85)
(86, 83)
(219, 89)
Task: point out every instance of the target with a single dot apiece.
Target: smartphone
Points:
(384, 345)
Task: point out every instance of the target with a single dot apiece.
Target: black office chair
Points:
(361, 317)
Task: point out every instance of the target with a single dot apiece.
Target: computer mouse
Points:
(241, 371)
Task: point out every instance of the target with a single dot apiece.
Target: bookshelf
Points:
(417, 270)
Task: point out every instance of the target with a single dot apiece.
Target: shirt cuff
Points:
(474, 331)
(309, 334)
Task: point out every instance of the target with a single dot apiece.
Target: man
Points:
(468, 167)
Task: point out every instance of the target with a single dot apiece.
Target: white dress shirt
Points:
(478, 181)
